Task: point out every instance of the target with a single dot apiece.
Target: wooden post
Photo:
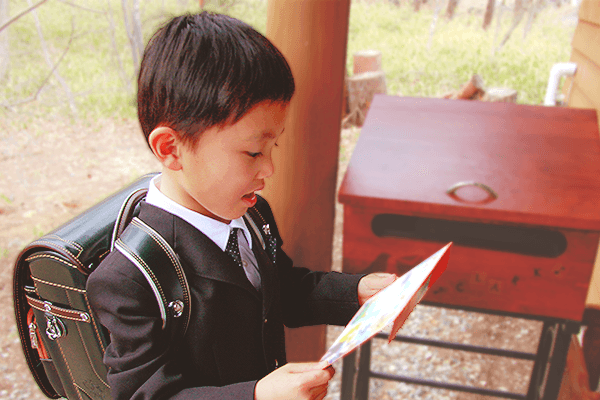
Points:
(312, 34)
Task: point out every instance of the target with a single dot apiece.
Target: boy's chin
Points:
(233, 214)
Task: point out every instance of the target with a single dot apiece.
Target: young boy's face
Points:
(222, 172)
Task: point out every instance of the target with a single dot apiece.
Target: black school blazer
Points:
(236, 334)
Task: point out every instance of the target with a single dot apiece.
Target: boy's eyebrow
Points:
(266, 135)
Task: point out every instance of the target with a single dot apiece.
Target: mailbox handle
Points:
(492, 195)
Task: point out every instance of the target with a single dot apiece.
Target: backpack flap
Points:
(55, 269)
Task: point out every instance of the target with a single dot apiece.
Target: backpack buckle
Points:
(54, 327)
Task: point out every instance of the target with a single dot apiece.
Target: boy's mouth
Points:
(250, 199)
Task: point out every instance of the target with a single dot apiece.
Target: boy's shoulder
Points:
(116, 265)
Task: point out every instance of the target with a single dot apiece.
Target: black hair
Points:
(204, 70)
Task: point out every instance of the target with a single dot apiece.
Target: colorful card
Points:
(392, 304)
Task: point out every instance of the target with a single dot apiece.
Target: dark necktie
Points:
(232, 246)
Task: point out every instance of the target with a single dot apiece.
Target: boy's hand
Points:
(295, 381)
(369, 285)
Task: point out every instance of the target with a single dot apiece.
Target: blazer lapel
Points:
(196, 250)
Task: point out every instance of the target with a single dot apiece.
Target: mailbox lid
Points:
(542, 162)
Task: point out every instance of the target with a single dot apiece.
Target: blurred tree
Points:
(417, 5)
(4, 43)
(127, 80)
(534, 9)
(518, 9)
(53, 66)
(489, 13)
(452, 4)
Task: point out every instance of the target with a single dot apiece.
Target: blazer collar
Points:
(202, 256)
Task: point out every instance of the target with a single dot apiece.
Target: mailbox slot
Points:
(532, 241)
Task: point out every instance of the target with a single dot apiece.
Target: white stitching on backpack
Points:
(58, 285)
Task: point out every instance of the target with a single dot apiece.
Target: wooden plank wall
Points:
(583, 90)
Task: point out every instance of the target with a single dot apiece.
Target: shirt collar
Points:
(216, 231)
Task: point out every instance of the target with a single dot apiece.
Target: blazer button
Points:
(276, 363)
(266, 321)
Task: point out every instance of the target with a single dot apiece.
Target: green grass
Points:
(5, 198)
(457, 50)
(101, 89)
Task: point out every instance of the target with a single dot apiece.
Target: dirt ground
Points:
(53, 170)
(50, 172)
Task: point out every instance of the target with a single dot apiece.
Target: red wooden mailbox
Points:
(515, 187)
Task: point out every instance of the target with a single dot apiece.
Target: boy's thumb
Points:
(308, 366)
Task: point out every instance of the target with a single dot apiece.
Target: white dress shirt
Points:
(216, 231)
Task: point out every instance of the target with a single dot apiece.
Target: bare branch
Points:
(34, 96)
(16, 17)
(82, 7)
(518, 14)
(54, 66)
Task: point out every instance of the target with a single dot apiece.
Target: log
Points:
(472, 90)
(505, 95)
(361, 90)
(367, 61)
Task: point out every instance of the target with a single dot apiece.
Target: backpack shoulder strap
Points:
(254, 218)
(160, 265)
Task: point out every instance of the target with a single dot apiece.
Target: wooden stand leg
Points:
(591, 345)
(539, 372)
(549, 365)
(558, 359)
(348, 376)
(364, 372)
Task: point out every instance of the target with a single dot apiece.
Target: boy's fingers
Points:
(321, 396)
(317, 390)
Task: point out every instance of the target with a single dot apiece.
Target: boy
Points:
(212, 101)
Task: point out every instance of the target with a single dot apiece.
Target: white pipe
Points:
(558, 70)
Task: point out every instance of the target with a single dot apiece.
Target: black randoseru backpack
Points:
(61, 338)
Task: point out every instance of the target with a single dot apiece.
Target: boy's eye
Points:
(253, 155)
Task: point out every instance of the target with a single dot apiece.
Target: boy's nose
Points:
(267, 168)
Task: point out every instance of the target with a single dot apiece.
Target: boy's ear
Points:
(165, 145)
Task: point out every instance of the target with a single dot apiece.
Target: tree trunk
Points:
(436, 14)
(127, 80)
(417, 5)
(452, 4)
(131, 18)
(4, 43)
(518, 9)
(489, 14)
(516, 20)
